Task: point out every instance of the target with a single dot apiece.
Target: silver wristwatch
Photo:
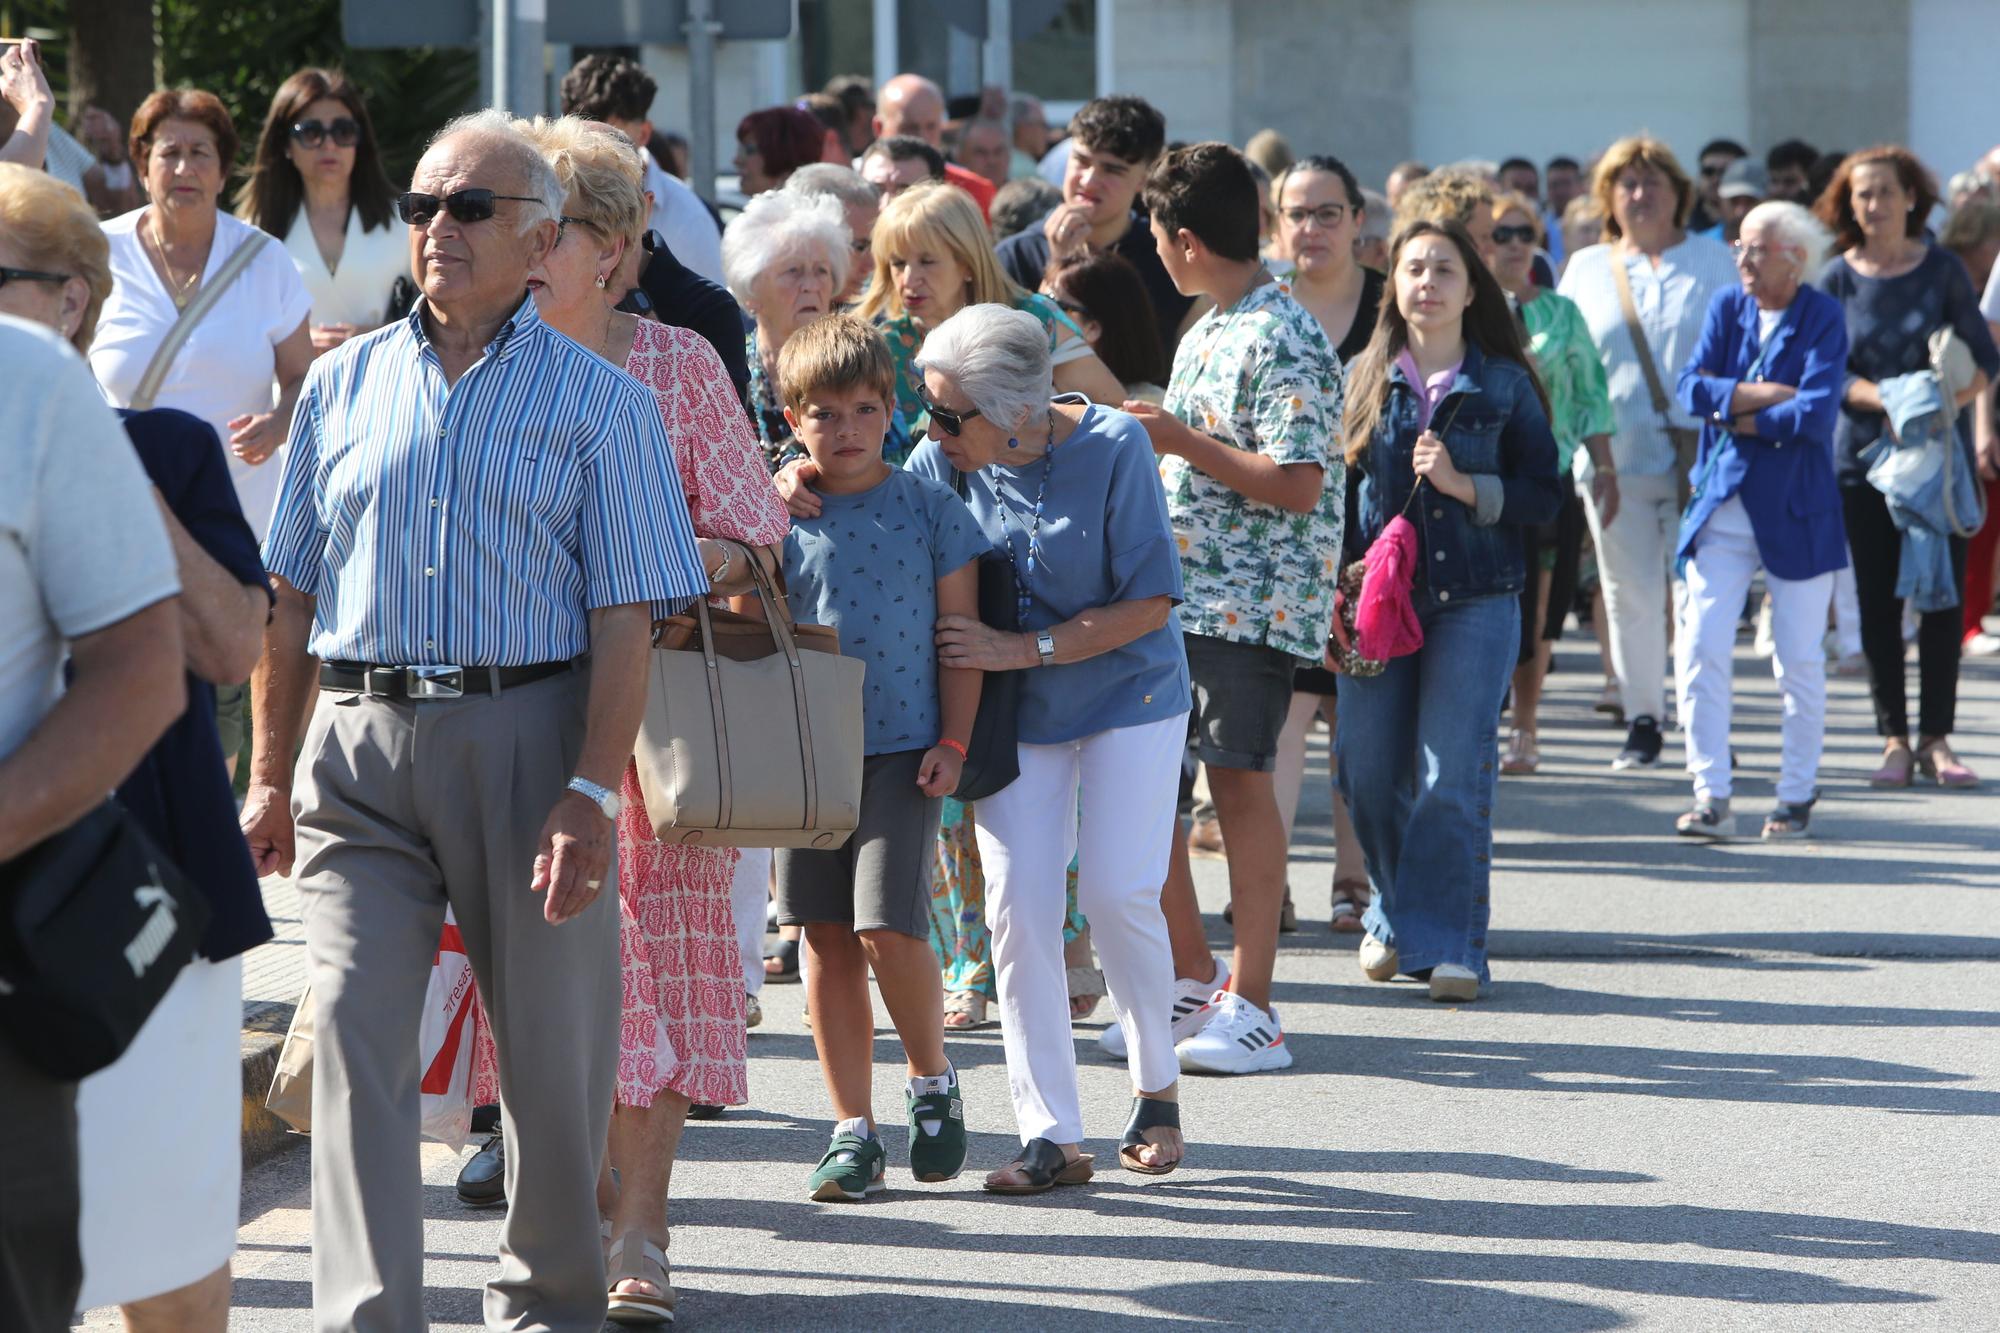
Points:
(603, 797)
(1045, 644)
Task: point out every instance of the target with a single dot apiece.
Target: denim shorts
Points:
(881, 878)
(1242, 692)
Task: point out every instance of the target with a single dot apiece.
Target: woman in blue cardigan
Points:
(1765, 380)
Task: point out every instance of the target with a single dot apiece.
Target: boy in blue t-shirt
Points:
(888, 553)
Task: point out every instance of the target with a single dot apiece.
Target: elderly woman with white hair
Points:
(786, 259)
(1069, 494)
(1765, 380)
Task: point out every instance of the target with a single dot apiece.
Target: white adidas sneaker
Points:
(1191, 1011)
(1239, 1038)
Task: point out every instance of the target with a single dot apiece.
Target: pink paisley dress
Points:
(682, 1027)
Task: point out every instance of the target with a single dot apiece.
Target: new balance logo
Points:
(158, 932)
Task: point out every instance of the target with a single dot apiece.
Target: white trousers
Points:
(1125, 781)
(749, 893)
(1846, 613)
(1634, 560)
(1718, 580)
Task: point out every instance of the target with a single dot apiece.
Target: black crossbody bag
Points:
(95, 924)
(992, 761)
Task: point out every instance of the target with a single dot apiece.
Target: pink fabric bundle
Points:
(1385, 623)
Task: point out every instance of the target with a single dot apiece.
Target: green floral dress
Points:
(958, 907)
(1260, 376)
(1571, 371)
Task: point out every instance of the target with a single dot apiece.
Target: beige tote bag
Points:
(291, 1095)
(752, 735)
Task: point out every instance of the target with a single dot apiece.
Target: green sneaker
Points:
(850, 1171)
(937, 1133)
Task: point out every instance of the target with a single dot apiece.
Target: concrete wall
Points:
(1332, 76)
(1836, 73)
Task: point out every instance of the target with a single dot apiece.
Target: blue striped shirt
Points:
(476, 524)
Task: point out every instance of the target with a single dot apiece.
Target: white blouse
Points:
(370, 262)
(228, 365)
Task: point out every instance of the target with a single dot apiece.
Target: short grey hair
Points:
(998, 356)
(496, 128)
(778, 223)
(1375, 214)
(1020, 105)
(1796, 224)
(831, 180)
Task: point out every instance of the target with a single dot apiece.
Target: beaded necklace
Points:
(1023, 599)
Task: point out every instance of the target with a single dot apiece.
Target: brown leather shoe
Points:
(1205, 839)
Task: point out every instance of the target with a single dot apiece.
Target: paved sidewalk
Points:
(1737, 1086)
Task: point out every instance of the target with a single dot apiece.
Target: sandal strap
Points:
(965, 1002)
(1040, 1161)
(1149, 1113)
(622, 1269)
(1084, 980)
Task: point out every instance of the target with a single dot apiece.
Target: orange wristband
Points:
(950, 744)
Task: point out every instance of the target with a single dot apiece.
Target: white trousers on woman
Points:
(1718, 579)
(1125, 781)
(1634, 559)
(749, 894)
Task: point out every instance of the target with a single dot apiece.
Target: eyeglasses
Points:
(345, 130)
(475, 205)
(1328, 216)
(8, 275)
(1711, 170)
(1756, 254)
(1502, 235)
(1072, 308)
(565, 221)
(950, 422)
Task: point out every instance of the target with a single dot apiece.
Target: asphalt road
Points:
(1723, 1087)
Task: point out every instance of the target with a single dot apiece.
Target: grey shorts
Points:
(1242, 692)
(881, 879)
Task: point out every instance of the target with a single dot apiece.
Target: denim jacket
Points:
(1493, 424)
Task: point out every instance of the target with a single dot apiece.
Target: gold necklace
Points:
(177, 291)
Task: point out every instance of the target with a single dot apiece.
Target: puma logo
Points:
(158, 932)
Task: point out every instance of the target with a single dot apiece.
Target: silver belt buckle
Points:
(434, 682)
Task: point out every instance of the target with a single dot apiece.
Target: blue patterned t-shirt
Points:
(869, 566)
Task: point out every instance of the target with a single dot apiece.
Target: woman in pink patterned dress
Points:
(682, 1036)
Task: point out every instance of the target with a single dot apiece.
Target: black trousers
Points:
(1876, 547)
(41, 1268)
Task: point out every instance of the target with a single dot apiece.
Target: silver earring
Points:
(601, 280)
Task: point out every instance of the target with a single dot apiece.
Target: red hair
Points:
(787, 138)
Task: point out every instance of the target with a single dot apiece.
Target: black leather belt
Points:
(420, 683)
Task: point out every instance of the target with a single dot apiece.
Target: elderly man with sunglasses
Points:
(476, 521)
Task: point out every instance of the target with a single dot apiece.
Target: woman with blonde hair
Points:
(933, 257)
(681, 1041)
(1644, 292)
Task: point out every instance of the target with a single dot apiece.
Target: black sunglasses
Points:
(950, 422)
(474, 205)
(345, 130)
(8, 275)
(1502, 235)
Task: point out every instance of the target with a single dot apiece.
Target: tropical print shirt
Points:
(1571, 371)
(1259, 375)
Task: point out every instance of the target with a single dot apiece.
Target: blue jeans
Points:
(1418, 750)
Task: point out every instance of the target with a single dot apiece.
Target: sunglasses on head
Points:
(948, 421)
(345, 131)
(8, 275)
(1502, 235)
(474, 205)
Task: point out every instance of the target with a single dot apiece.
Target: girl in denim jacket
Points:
(1449, 427)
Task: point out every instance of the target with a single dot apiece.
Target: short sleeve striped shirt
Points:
(476, 524)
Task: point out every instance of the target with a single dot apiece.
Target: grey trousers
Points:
(401, 808)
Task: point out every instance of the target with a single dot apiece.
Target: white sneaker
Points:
(1451, 982)
(1191, 1011)
(1378, 960)
(1982, 644)
(1239, 1038)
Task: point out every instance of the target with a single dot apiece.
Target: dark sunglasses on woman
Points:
(8, 275)
(948, 421)
(1502, 235)
(473, 205)
(345, 130)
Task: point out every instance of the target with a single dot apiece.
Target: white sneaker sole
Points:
(1275, 1056)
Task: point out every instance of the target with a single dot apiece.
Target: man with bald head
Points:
(912, 105)
(477, 520)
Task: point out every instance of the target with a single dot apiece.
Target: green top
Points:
(1572, 372)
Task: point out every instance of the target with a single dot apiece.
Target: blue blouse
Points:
(1104, 538)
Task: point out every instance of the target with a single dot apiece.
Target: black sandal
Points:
(1789, 819)
(1709, 819)
(1148, 1113)
(1045, 1167)
(786, 952)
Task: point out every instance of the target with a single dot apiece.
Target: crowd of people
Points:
(1246, 445)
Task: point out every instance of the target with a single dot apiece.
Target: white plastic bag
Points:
(444, 1042)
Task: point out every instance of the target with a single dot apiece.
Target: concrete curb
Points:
(264, 1135)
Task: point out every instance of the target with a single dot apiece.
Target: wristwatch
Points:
(603, 797)
(1045, 644)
